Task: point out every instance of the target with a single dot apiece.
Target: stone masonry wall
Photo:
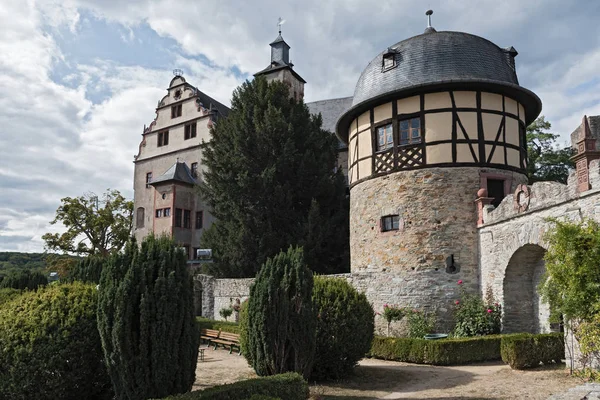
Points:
(227, 291)
(437, 220)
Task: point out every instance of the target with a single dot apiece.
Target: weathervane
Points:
(279, 23)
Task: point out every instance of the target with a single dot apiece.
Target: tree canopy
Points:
(95, 225)
(546, 161)
(272, 182)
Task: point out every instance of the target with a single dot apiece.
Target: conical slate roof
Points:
(179, 172)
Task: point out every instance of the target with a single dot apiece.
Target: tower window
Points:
(385, 137)
(178, 215)
(410, 131)
(176, 111)
(389, 61)
(148, 179)
(195, 169)
(187, 219)
(199, 219)
(163, 138)
(390, 223)
(495, 188)
(190, 131)
(139, 217)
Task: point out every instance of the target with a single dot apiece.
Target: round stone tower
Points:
(434, 119)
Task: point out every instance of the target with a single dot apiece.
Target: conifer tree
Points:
(146, 320)
(280, 322)
(272, 181)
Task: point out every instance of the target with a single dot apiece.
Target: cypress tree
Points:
(146, 320)
(280, 321)
(27, 279)
(87, 270)
(272, 182)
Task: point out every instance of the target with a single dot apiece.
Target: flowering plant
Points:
(420, 323)
(476, 317)
(392, 313)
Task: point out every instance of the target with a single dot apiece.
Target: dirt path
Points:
(378, 379)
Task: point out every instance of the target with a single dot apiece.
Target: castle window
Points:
(390, 223)
(389, 61)
(410, 131)
(178, 215)
(199, 219)
(187, 219)
(195, 169)
(148, 179)
(495, 188)
(190, 131)
(159, 213)
(163, 138)
(139, 217)
(167, 212)
(176, 111)
(385, 137)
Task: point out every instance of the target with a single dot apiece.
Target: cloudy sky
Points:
(80, 78)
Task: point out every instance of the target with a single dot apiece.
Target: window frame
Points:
(189, 131)
(148, 179)
(410, 139)
(187, 219)
(162, 139)
(194, 169)
(140, 222)
(389, 55)
(394, 219)
(384, 125)
(178, 217)
(176, 111)
(199, 223)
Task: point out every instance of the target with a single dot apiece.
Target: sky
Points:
(80, 78)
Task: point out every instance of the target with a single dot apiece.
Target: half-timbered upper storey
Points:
(438, 99)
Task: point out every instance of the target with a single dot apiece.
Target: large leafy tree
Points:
(95, 226)
(547, 161)
(272, 182)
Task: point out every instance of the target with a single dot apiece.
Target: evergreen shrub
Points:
(206, 323)
(289, 386)
(50, 347)
(345, 325)
(8, 294)
(525, 350)
(146, 320)
(281, 321)
(24, 280)
(437, 352)
(87, 270)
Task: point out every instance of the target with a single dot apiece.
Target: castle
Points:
(434, 149)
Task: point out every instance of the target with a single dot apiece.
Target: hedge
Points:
(205, 323)
(437, 352)
(288, 386)
(527, 351)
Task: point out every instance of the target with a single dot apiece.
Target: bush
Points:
(206, 323)
(525, 350)
(588, 335)
(420, 323)
(146, 320)
(226, 312)
(8, 294)
(437, 352)
(475, 317)
(51, 347)
(288, 386)
(24, 280)
(344, 327)
(87, 270)
(281, 321)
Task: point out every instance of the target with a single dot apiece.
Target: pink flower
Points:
(496, 304)
(460, 282)
(456, 302)
(385, 305)
(489, 311)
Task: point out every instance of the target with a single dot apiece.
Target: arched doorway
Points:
(523, 308)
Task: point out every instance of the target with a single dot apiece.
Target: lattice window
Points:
(384, 161)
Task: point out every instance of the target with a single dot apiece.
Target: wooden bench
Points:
(228, 339)
(209, 335)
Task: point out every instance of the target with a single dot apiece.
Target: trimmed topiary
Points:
(50, 347)
(525, 350)
(146, 320)
(281, 321)
(345, 325)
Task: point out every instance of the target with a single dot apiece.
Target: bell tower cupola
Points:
(281, 68)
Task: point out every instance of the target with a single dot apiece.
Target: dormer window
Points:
(389, 60)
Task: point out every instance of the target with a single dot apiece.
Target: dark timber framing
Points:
(413, 156)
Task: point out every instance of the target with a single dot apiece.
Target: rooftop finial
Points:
(429, 28)
(178, 72)
(279, 23)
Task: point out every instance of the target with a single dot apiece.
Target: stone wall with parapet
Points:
(227, 292)
(509, 228)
